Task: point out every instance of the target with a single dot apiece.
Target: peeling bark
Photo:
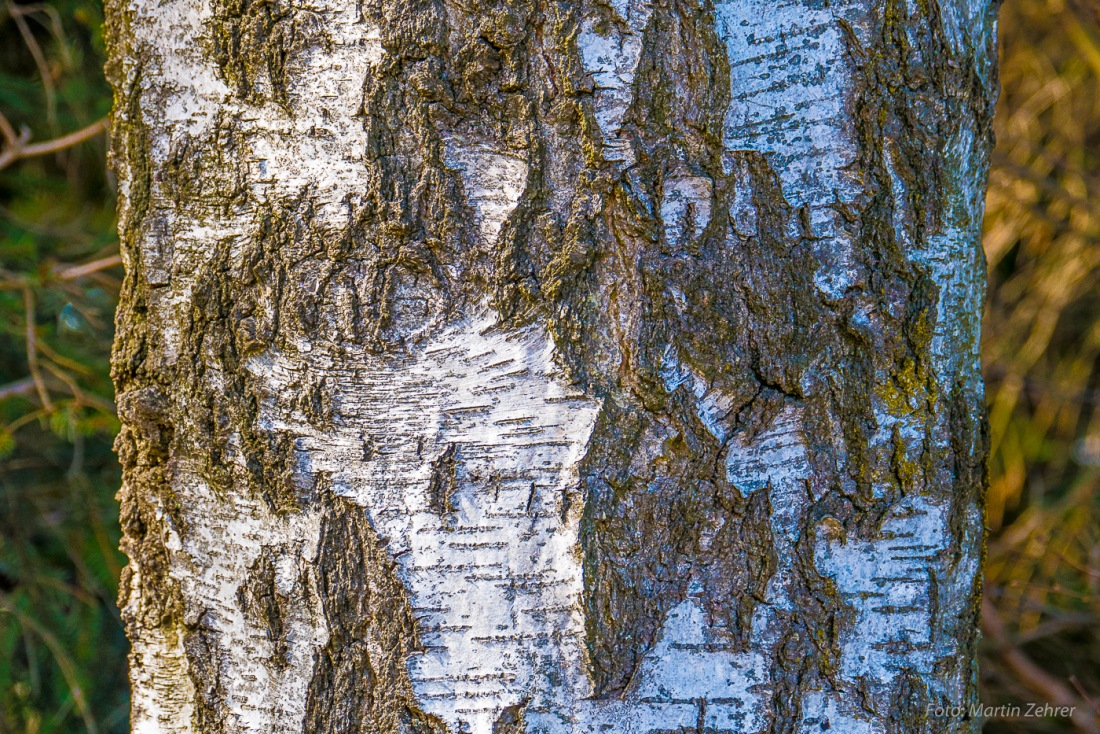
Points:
(542, 367)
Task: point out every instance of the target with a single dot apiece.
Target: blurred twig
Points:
(16, 146)
(39, 57)
(32, 350)
(72, 272)
(19, 387)
(1035, 677)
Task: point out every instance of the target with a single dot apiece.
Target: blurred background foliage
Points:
(62, 651)
(1041, 348)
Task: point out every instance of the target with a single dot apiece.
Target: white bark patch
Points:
(611, 57)
(963, 20)
(320, 147)
(688, 663)
(776, 456)
(890, 582)
(823, 711)
(953, 257)
(743, 215)
(214, 562)
(790, 79)
(776, 462)
(494, 182)
(185, 67)
(162, 690)
(496, 584)
(711, 405)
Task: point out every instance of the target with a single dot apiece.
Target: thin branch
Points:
(32, 351)
(87, 399)
(17, 148)
(80, 397)
(11, 152)
(54, 26)
(65, 141)
(73, 272)
(26, 386)
(61, 360)
(90, 400)
(106, 281)
(24, 419)
(60, 374)
(19, 387)
(8, 132)
(1080, 689)
(39, 61)
(1080, 566)
(1059, 624)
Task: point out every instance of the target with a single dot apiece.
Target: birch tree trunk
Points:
(535, 366)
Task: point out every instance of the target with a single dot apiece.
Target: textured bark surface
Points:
(551, 367)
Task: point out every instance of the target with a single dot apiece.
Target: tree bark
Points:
(551, 367)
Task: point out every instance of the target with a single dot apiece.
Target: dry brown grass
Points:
(1041, 347)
